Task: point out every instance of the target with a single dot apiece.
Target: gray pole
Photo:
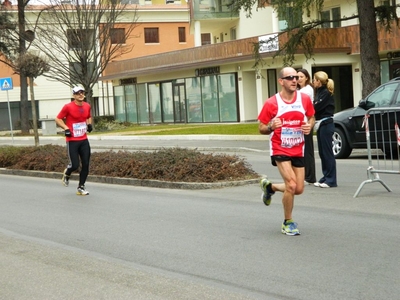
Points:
(9, 116)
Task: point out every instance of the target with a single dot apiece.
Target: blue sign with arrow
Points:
(6, 84)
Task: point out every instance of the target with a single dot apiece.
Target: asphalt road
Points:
(125, 242)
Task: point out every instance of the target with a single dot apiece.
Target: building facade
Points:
(169, 21)
(194, 63)
(216, 82)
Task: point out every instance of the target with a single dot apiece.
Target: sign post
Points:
(5, 85)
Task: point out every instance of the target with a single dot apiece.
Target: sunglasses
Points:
(80, 93)
(291, 77)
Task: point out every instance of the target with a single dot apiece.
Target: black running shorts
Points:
(297, 162)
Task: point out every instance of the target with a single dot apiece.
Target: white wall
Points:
(250, 110)
(260, 23)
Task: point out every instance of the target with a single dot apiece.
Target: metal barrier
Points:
(382, 133)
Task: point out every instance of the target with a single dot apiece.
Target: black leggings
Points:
(78, 150)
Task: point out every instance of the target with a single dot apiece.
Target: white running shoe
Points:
(324, 185)
(81, 191)
(65, 178)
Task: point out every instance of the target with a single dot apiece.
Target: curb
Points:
(195, 137)
(134, 182)
(152, 148)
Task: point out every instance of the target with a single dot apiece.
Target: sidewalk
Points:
(228, 143)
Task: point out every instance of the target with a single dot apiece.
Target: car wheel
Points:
(340, 146)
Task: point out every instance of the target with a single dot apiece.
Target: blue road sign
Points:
(6, 84)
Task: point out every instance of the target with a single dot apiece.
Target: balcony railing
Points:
(327, 40)
(204, 55)
(211, 9)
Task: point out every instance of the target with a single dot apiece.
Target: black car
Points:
(349, 131)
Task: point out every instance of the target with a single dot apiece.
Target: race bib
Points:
(291, 137)
(79, 129)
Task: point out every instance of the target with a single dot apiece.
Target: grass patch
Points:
(186, 129)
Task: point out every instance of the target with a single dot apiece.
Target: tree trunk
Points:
(370, 63)
(89, 99)
(24, 113)
(34, 115)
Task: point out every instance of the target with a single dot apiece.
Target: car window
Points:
(382, 96)
(397, 103)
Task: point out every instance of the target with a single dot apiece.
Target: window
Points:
(291, 18)
(182, 34)
(205, 39)
(151, 35)
(336, 17)
(80, 39)
(332, 14)
(76, 70)
(117, 35)
(263, 3)
(129, 1)
(233, 33)
(383, 95)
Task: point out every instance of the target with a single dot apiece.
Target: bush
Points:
(172, 164)
(108, 123)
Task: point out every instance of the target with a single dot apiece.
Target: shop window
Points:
(227, 98)
(155, 103)
(130, 103)
(194, 105)
(167, 102)
(143, 103)
(209, 95)
(119, 104)
(151, 35)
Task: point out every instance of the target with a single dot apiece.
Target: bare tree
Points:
(8, 40)
(23, 80)
(301, 35)
(13, 43)
(81, 38)
(31, 66)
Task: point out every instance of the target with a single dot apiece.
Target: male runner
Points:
(76, 120)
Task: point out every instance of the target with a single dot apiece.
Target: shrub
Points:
(167, 164)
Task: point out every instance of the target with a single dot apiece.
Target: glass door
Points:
(179, 103)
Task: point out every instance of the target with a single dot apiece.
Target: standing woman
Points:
(304, 85)
(324, 106)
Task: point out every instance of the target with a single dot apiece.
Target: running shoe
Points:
(317, 184)
(81, 191)
(266, 187)
(290, 228)
(324, 185)
(65, 178)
